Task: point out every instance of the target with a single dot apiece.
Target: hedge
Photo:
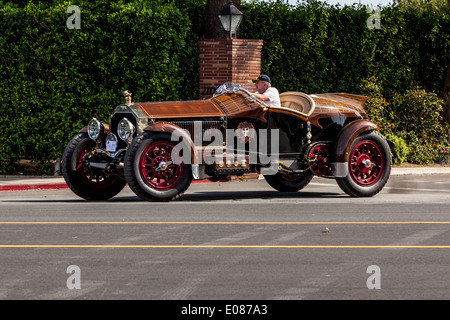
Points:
(315, 47)
(54, 79)
(412, 120)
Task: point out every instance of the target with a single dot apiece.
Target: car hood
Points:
(180, 109)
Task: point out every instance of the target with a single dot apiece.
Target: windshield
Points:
(246, 90)
(232, 87)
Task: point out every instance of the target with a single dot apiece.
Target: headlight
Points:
(95, 129)
(125, 129)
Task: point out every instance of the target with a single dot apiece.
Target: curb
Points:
(39, 186)
(25, 186)
(62, 185)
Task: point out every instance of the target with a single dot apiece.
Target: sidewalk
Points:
(22, 183)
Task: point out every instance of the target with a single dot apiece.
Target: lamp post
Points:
(230, 17)
(222, 57)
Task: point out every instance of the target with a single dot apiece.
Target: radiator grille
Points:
(200, 130)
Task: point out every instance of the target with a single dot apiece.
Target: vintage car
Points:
(158, 148)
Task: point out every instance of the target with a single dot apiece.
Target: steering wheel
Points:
(251, 97)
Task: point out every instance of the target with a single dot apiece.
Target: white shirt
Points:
(274, 97)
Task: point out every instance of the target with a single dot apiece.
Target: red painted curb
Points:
(23, 187)
(58, 185)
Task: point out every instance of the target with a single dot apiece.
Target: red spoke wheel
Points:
(87, 182)
(318, 160)
(367, 163)
(369, 166)
(153, 168)
(157, 168)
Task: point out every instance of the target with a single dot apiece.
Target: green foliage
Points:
(435, 6)
(419, 112)
(443, 156)
(418, 119)
(54, 79)
(315, 47)
(421, 151)
(400, 150)
(377, 107)
(414, 117)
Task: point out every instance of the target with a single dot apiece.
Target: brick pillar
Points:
(222, 60)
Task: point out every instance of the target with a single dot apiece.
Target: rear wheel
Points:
(152, 170)
(288, 183)
(87, 182)
(369, 166)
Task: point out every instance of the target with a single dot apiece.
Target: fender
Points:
(343, 142)
(163, 126)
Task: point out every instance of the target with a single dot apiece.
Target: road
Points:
(230, 241)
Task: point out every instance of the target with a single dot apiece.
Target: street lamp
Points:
(230, 17)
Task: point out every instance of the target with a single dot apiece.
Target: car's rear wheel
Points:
(87, 182)
(369, 166)
(288, 183)
(152, 168)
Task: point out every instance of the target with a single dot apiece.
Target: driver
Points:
(265, 92)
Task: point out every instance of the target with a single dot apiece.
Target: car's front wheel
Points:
(85, 181)
(369, 166)
(153, 168)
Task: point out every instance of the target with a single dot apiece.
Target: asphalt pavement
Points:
(231, 241)
(22, 183)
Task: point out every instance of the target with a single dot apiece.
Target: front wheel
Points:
(369, 166)
(85, 181)
(153, 170)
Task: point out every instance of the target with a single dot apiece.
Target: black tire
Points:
(155, 184)
(288, 183)
(87, 183)
(363, 181)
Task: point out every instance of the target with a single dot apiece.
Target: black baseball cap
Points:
(263, 77)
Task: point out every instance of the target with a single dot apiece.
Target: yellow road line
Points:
(229, 246)
(222, 222)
